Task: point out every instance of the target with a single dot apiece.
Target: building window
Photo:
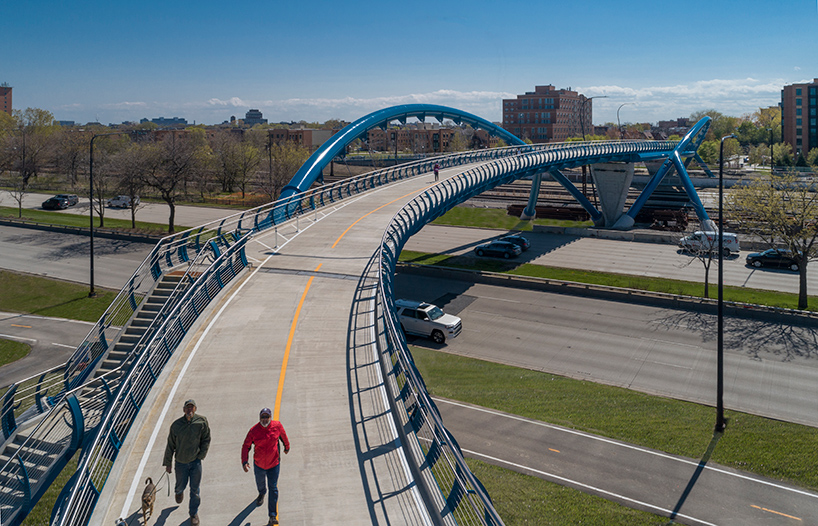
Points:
(797, 102)
(798, 91)
(813, 91)
(798, 111)
(798, 122)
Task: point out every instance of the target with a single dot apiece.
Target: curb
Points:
(98, 232)
(640, 297)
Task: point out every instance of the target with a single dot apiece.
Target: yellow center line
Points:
(290, 338)
(373, 211)
(775, 512)
(289, 346)
(23, 326)
(554, 450)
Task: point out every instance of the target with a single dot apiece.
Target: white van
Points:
(428, 320)
(122, 201)
(701, 241)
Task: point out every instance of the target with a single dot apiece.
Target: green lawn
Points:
(771, 448)
(49, 297)
(523, 499)
(11, 351)
(76, 220)
(499, 219)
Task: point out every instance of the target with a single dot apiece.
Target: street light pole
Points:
(618, 124)
(720, 422)
(771, 151)
(92, 292)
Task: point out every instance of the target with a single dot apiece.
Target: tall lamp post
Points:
(720, 422)
(771, 151)
(618, 124)
(582, 126)
(92, 292)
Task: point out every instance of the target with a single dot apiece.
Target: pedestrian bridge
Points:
(290, 306)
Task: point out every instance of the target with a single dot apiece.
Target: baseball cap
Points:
(190, 402)
(265, 411)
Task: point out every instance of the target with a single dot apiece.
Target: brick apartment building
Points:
(799, 106)
(548, 115)
(5, 98)
(423, 140)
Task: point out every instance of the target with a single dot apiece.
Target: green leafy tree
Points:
(720, 126)
(783, 210)
(284, 159)
(812, 157)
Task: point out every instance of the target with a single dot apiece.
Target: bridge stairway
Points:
(147, 312)
(40, 454)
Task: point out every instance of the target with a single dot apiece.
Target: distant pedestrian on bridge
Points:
(189, 440)
(266, 461)
(437, 171)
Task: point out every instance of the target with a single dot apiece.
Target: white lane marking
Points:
(630, 446)
(64, 345)
(592, 488)
(11, 337)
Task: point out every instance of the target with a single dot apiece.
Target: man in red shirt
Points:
(266, 462)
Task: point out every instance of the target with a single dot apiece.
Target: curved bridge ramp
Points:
(297, 335)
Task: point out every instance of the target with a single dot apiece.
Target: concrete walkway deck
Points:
(282, 338)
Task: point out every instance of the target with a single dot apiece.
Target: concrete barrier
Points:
(107, 233)
(640, 297)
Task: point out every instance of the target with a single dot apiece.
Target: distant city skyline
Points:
(111, 62)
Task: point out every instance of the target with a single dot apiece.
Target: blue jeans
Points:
(192, 471)
(271, 476)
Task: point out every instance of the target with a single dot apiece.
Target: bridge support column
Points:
(530, 211)
(612, 181)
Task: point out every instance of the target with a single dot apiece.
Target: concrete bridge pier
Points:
(612, 182)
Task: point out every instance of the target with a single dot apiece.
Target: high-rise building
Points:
(799, 109)
(548, 115)
(5, 98)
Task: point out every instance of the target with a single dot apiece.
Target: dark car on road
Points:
(774, 258)
(55, 203)
(501, 249)
(518, 240)
(72, 198)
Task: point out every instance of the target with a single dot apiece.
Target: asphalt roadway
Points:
(679, 489)
(52, 342)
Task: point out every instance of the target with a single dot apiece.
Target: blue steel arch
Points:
(311, 170)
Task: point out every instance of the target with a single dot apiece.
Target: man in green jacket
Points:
(189, 439)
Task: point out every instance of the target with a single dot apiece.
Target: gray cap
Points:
(265, 411)
(190, 402)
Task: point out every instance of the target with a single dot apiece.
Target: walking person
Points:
(437, 171)
(266, 461)
(189, 440)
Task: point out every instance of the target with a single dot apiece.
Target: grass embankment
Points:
(498, 219)
(81, 221)
(759, 445)
(49, 297)
(11, 351)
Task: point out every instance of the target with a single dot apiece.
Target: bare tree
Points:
(131, 164)
(177, 157)
(782, 210)
(284, 160)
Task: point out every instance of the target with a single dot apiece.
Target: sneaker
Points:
(260, 499)
(180, 497)
(194, 520)
(273, 521)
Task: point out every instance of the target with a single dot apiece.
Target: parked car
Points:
(428, 320)
(122, 201)
(701, 241)
(502, 249)
(773, 258)
(72, 198)
(518, 240)
(55, 203)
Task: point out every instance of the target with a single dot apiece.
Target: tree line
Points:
(175, 165)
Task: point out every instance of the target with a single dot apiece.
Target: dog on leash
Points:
(148, 498)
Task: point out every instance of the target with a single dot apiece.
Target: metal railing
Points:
(456, 494)
(97, 407)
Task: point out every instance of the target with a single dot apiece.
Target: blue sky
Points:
(205, 61)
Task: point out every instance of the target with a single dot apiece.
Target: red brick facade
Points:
(5, 99)
(548, 115)
(799, 119)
